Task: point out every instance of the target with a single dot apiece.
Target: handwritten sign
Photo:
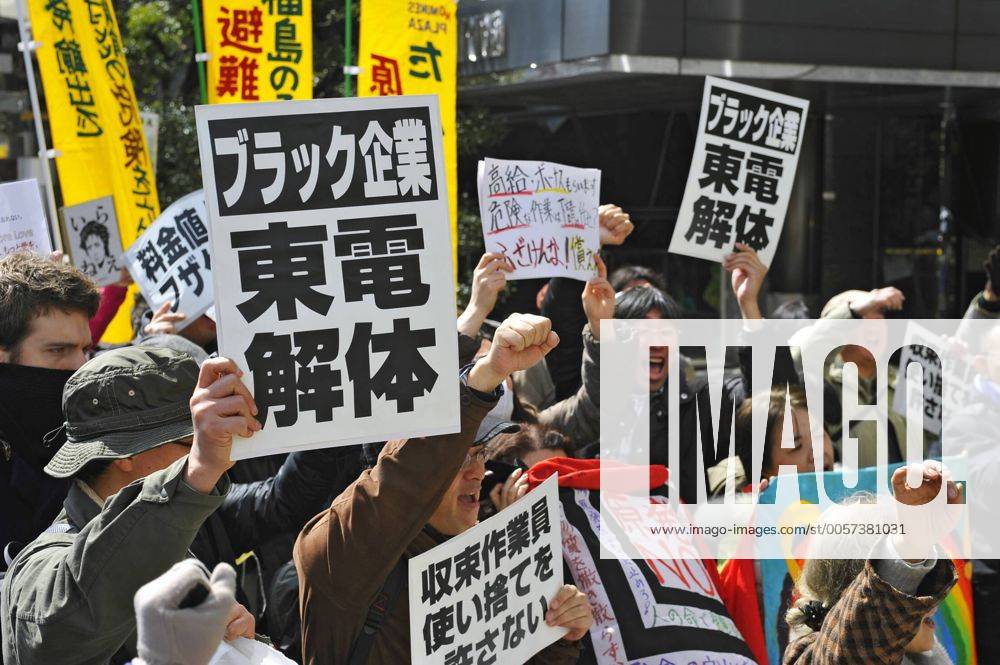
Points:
(541, 216)
(22, 219)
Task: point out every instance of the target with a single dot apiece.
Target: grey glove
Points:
(169, 635)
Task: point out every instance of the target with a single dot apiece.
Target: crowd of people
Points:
(118, 499)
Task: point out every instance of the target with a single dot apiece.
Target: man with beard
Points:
(44, 337)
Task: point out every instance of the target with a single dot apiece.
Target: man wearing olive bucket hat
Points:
(148, 444)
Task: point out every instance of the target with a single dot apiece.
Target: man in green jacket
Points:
(148, 444)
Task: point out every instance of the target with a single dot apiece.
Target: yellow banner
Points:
(94, 119)
(260, 50)
(410, 48)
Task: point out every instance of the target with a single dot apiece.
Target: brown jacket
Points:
(872, 622)
(345, 553)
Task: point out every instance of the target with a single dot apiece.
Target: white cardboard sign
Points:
(485, 592)
(93, 242)
(541, 216)
(23, 227)
(742, 171)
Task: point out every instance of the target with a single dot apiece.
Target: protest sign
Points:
(645, 610)
(742, 171)
(22, 219)
(171, 261)
(411, 48)
(482, 595)
(331, 258)
(541, 216)
(954, 617)
(925, 348)
(92, 238)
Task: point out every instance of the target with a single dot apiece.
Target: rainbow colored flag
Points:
(954, 617)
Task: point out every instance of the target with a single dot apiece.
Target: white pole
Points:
(27, 47)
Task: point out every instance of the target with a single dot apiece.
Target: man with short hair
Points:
(148, 444)
(419, 493)
(44, 337)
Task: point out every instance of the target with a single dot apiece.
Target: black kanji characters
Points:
(404, 374)
(383, 262)
(539, 520)
(313, 386)
(191, 226)
(466, 565)
(435, 581)
(712, 221)
(171, 244)
(150, 261)
(751, 228)
(763, 175)
(281, 266)
(518, 535)
(439, 629)
(494, 549)
(722, 167)
(495, 597)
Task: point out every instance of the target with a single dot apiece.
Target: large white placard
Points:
(541, 216)
(170, 260)
(742, 171)
(332, 264)
(482, 595)
(93, 242)
(22, 219)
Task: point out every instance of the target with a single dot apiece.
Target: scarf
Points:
(31, 408)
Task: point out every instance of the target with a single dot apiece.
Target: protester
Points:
(630, 276)
(579, 416)
(201, 331)
(44, 337)
(148, 444)
(875, 610)
(800, 455)
(419, 493)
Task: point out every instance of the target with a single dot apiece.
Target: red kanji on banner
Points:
(385, 76)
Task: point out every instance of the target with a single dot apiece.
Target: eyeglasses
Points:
(478, 456)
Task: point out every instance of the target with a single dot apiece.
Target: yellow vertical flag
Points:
(99, 133)
(260, 50)
(411, 48)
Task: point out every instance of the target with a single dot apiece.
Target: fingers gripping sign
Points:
(571, 610)
(222, 407)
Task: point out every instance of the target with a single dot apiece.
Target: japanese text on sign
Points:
(328, 160)
(93, 240)
(22, 219)
(741, 173)
(541, 216)
(171, 261)
(333, 298)
(481, 597)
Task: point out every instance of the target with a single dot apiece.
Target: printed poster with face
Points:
(541, 216)
(23, 226)
(92, 239)
(332, 262)
(748, 146)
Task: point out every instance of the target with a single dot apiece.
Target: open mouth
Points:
(469, 500)
(929, 622)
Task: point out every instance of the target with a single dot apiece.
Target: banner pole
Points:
(199, 48)
(348, 33)
(27, 47)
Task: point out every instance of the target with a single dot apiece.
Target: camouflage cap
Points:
(125, 402)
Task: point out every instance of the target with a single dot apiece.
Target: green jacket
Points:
(67, 597)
